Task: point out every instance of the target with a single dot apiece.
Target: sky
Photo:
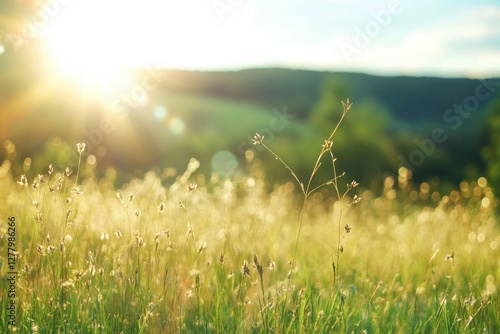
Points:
(396, 37)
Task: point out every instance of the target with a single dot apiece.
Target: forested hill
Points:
(199, 114)
(409, 99)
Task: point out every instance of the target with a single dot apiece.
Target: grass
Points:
(213, 255)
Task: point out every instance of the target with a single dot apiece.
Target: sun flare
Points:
(92, 39)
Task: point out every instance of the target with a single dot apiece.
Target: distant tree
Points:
(363, 144)
(491, 153)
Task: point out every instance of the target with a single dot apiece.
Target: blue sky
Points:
(441, 37)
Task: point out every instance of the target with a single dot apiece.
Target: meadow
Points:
(195, 253)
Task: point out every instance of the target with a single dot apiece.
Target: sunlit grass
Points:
(207, 254)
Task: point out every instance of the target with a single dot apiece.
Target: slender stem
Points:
(286, 166)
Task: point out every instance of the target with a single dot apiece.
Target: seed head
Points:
(119, 195)
(245, 269)
(161, 207)
(271, 265)
(24, 180)
(347, 105)
(257, 139)
(327, 146)
(347, 228)
(356, 199)
(351, 185)
(80, 147)
(202, 246)
(257, 265)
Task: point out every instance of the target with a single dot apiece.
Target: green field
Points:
(207, 254)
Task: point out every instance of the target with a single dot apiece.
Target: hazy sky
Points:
(426, 37)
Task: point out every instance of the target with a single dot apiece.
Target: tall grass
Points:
(213, 255)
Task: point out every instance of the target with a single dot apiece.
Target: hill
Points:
(192, 113)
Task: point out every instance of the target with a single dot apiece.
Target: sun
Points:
(92, 40)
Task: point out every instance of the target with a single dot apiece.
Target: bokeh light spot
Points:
(160, 113)
(224, 163)
(482, 182)
(91, 160)
(176, 126)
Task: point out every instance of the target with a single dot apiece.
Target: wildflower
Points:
(67, 171)
(119, 195)
(192, 186)
(341, 248)
(257, 139)
(450, 257)
(221, 258)
(41, 178)
(118, 234)
(51, 169)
